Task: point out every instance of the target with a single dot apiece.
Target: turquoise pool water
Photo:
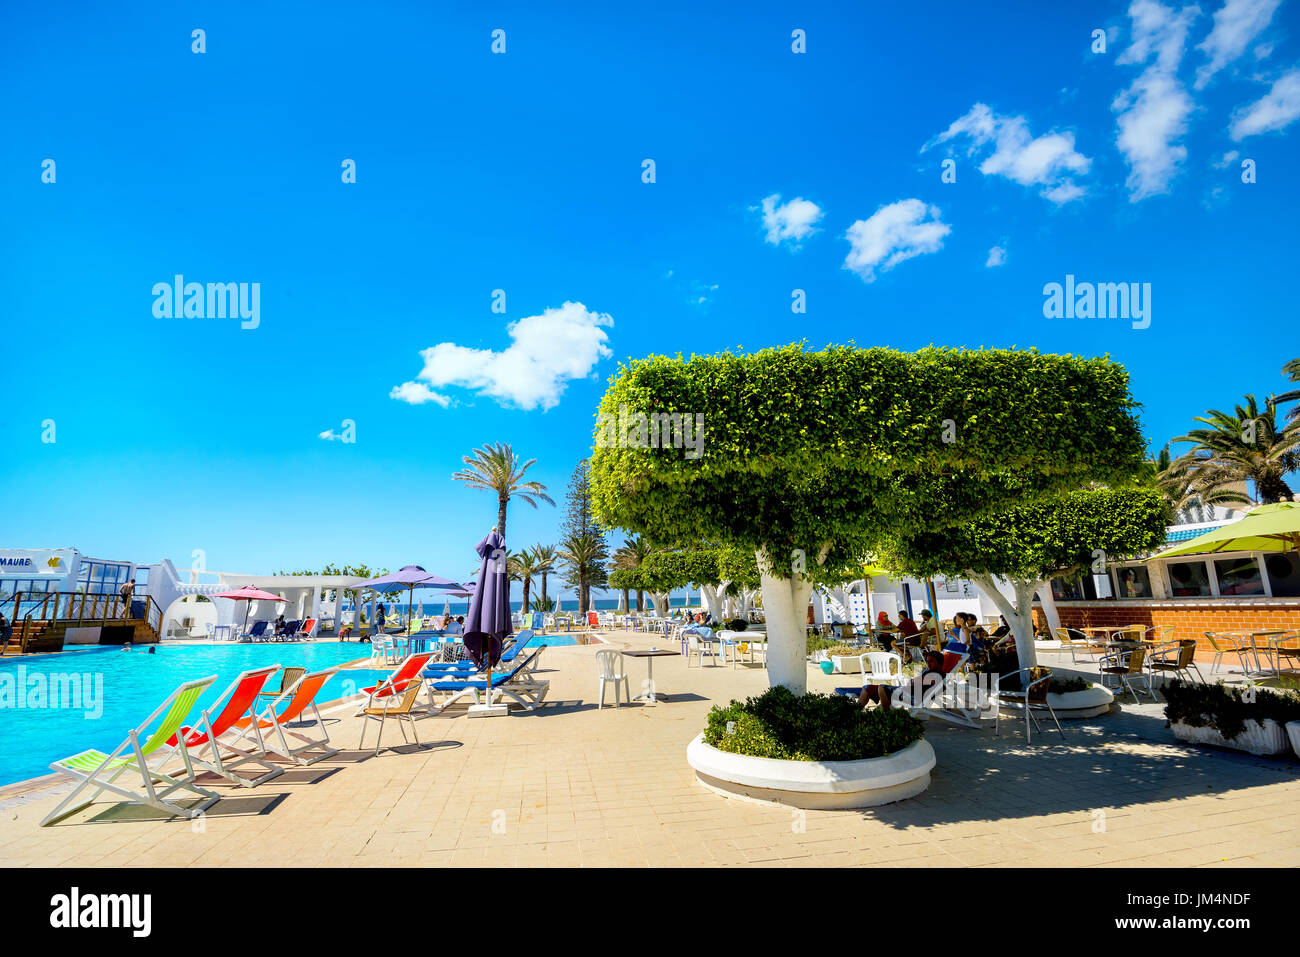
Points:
(104, 692)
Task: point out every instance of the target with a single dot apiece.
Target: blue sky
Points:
(522, 172)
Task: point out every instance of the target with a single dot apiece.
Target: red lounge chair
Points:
(408, 671)
(241, 703)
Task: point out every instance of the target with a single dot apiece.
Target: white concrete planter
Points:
(1257, 738)
(1293, 732)
(845, 665)
(1091, 702)
(816, 785)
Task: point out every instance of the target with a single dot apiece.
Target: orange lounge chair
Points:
(395, 684)
(300, 697)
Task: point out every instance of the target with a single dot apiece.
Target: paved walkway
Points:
(570, 785)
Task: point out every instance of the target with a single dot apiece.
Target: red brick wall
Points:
(1189, 619)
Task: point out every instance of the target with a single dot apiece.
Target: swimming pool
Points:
(56, 705)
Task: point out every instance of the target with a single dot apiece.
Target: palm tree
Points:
(584, 555)
(523, 565)
(497, 469)
(546, 557)
(1292, 371)
(631, 554)
(1192, 493)
(1244, 445)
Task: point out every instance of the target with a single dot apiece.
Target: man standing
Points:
(127, 591)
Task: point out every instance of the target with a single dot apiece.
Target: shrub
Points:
(1224, 709)
(810, 727)
(737, 624)
(818, 643)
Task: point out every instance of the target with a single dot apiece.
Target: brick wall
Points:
(1189, 619)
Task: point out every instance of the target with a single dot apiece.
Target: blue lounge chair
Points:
(466, 669)
(516, 684)
(255, 633)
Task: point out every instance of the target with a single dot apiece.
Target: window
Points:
(1239, 576)
(1067, 589)
(1284, 574)
(103, 578)
(1133, 581)
(1189, 580)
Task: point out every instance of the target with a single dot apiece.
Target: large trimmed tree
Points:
(809, 458)
(1027, 545)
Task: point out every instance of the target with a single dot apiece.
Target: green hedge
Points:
(1223, 708)
(811, 727)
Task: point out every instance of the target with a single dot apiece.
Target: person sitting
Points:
(883, 694)
(906, 625)
(883, 622)
(279, 624)
(456, 627)
(979, 643)
(1003, 629)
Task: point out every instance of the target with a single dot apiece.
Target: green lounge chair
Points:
(100, 771)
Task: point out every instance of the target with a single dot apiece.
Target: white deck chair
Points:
(609, 669)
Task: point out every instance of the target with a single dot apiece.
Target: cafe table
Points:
(650, 654)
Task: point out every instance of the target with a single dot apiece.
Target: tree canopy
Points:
(1038, 540)
(823, 451)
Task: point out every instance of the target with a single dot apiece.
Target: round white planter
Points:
(1091, 702)
(1265, 738)
(1293, 732)
(815, 785)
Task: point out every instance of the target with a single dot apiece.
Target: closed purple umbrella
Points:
(488, 621)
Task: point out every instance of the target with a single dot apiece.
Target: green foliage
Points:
(818, 643)
(811, 727)
(737, 624)
(1037, 540)
(822, 451)
(1223, 708)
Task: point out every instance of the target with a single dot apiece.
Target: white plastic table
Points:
(649, 654)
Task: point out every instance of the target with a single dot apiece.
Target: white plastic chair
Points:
(609, 667)
(881, 668)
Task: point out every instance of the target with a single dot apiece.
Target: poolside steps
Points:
(46, 637)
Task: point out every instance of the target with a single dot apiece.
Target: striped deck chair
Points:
(240, 702)
(297, 700)
(94, 769)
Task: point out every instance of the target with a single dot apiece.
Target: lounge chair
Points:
(466, 669)
(255, 633)
(515, 685)
(98, 770)
(240, 702)
(408, 671)
(297, 700)
(309, 630)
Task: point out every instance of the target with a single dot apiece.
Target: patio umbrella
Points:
(1269, 528)
(409, 577)
(488, 621)
(248, 593)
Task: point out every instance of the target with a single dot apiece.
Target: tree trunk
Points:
(1019, 615)
(527, 584)
(543, 591)
(709, 598)
(640, 601)
(660, 603)
(501, 514)
(622, 600)
(785, 604)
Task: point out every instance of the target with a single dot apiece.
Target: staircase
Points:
(41, 622)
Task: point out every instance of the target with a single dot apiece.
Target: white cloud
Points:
(546, 352)
(997, 256)
(790, 222)
(417, 393)
(1047, 161)
(892, 234)
(1227, 160)
(1236, 24)
(1153, 111)
(702, 293)
(1276, 110)
(329, 436)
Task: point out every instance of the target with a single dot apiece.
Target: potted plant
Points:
(1247, 719)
